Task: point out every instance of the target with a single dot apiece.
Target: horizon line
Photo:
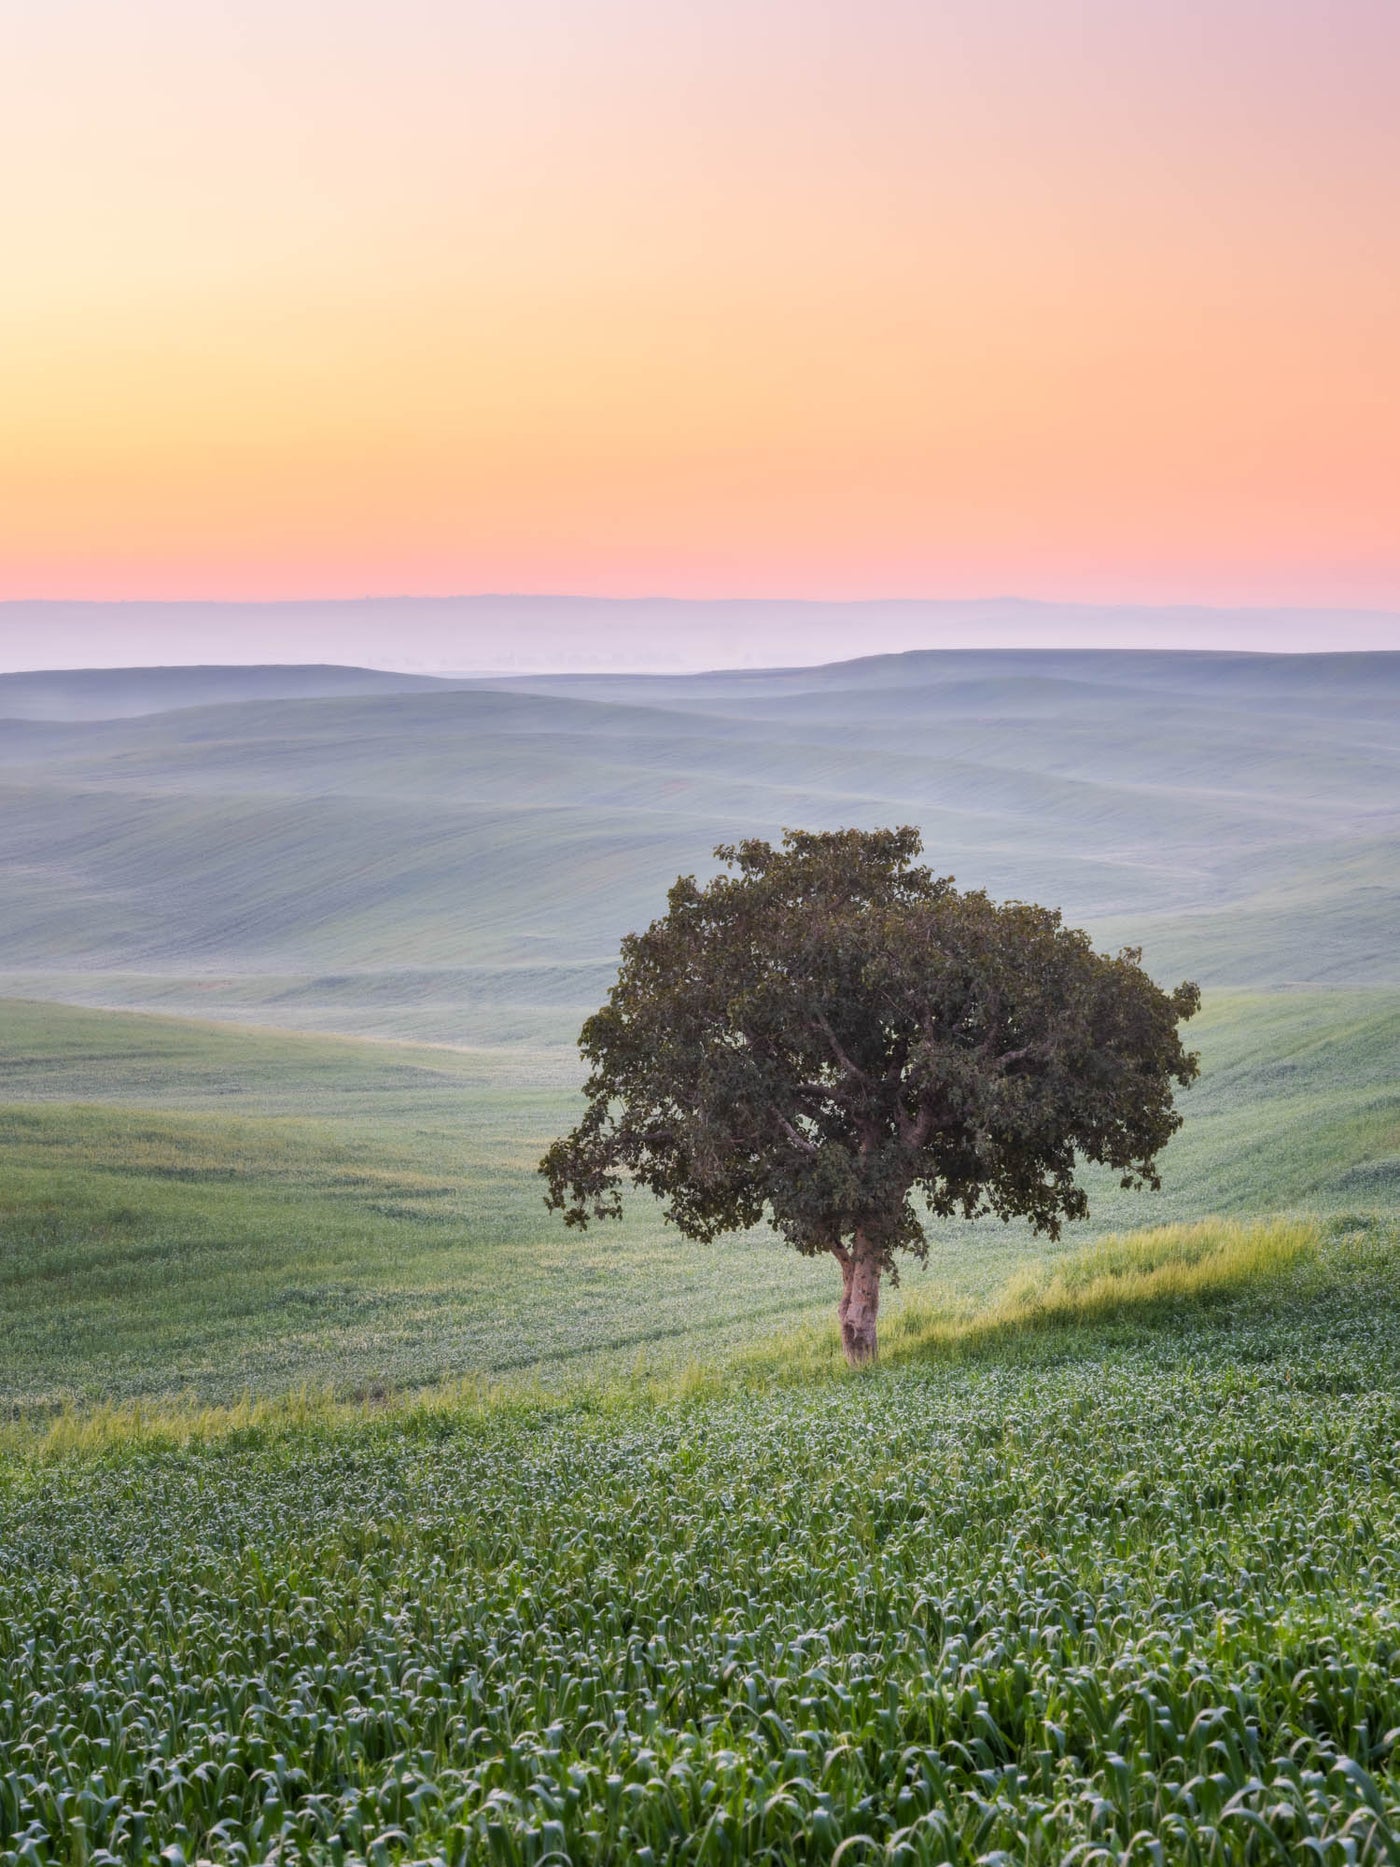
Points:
(832, 602)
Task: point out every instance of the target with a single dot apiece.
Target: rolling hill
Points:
(459, 863)
(435, 866)
(122, 693)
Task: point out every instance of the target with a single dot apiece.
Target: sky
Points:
(1082, 300)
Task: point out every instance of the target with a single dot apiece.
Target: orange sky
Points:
(922, 297)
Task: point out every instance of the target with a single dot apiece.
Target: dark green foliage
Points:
(830, 1034)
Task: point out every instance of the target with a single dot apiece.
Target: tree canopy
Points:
(830, 1036)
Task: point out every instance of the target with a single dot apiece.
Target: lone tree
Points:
(829, 1033)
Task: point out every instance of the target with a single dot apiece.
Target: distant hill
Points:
(125, 693)
(408, 856)
(991, 679)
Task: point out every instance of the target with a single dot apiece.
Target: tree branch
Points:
(851, 1069)
(825, 1092)
(1014, 1056)
(798, 1139)
(915, 1133)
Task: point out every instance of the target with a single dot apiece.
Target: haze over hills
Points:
(458, 861)
(536, 634)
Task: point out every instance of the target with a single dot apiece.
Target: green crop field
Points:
(353, 1510)
(1118, 1587)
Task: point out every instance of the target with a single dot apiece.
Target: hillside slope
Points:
(212, 1209)
(460, 864)
(121, 693)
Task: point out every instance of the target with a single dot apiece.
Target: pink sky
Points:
(755, 297)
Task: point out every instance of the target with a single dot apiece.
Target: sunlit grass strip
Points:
(123, 1426)
(1120, 1277)
(1137, 1271)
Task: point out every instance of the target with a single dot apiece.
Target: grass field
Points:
(1111, 1585)
(202, 1208)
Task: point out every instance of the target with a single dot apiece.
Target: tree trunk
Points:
(860, 1301)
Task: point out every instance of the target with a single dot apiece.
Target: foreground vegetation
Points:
(1108, 1575)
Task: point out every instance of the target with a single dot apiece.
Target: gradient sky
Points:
(1092, 299)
